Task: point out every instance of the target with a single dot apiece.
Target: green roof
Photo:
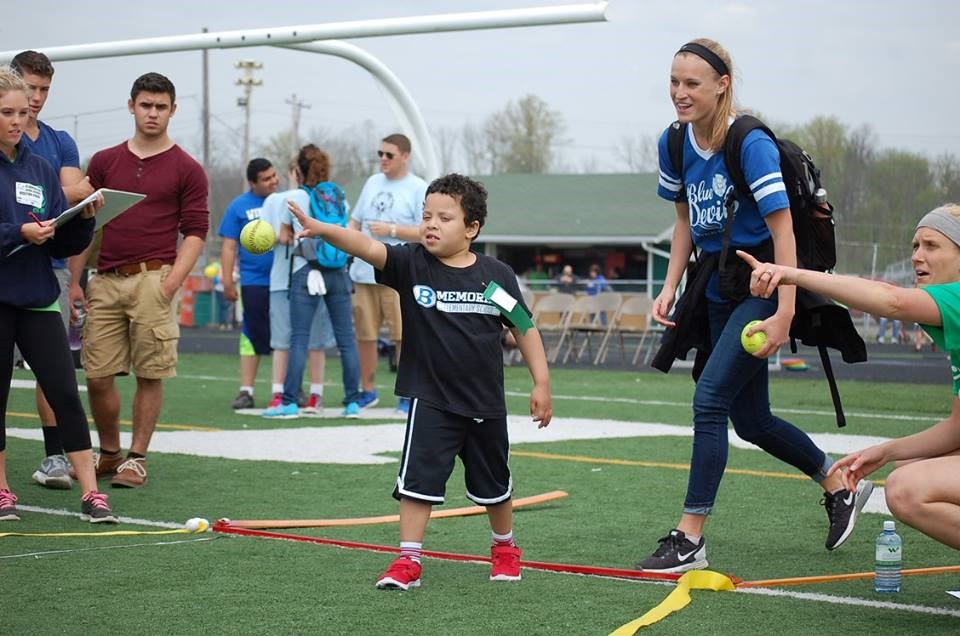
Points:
(572, 209)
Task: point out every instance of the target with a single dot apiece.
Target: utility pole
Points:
(297, 107)
(247, 82)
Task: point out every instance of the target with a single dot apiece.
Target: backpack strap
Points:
(733, 160)
(733, 149)
(675, 135)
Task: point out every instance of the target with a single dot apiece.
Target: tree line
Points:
(879, 193)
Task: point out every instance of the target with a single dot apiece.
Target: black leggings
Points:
(43, 342)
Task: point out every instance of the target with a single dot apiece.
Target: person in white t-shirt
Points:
(389, 209)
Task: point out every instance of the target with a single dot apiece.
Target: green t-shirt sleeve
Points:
(947, 336)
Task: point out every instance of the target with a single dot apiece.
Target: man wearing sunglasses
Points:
(389, 209)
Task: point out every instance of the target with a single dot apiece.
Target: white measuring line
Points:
(104, 547)
(807, 596)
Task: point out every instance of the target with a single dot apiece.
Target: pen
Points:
(35, 218)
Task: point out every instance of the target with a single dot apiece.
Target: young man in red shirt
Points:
(131, 322)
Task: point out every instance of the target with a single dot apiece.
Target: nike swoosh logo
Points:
(684, 557)
(849, 499)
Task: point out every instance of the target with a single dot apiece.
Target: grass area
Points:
(764, 527)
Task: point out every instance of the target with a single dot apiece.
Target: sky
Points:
(891, 65)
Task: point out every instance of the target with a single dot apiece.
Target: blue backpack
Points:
(327, 204)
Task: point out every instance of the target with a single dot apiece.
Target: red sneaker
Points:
(276, 400)
(505, 563)
(402, 574)
(314, 405)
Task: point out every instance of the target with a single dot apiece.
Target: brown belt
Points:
(134, 268)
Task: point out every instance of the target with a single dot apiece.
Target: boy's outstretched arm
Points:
(541, 401)
(350, 241)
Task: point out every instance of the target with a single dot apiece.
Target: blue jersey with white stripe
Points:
(705, 184)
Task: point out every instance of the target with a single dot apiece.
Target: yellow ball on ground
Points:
(752, 344)
(257, 237)
(197, 524)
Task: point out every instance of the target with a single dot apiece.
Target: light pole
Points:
(247, 82)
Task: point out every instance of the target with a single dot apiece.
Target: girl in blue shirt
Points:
(30, 198)
(734, 383)
(923, 490)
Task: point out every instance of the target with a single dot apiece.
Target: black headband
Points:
(706, 54)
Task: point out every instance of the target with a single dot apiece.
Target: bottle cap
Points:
(889, 525)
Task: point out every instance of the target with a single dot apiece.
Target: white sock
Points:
(693, 539)
(276, 388)
(248, 389)
(411, 549)
(503, 539)
(316, 388)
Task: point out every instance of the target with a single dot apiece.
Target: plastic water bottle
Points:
(75, 331)
(889, 551)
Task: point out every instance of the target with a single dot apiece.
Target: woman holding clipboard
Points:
(30, 200)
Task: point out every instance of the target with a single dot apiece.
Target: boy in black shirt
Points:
(451, 366)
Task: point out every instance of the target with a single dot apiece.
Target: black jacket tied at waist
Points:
(817, 321)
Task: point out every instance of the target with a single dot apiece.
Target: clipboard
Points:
(115, 203)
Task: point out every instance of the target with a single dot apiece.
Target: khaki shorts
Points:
(372, 306)
(130, 324)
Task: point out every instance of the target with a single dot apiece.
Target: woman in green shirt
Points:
(923, 491)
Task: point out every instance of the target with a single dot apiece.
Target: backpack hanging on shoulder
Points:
(817, 322)
(328, 205)
(813, 223)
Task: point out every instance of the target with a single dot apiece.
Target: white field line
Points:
(852, 601)
(875, 416)
(131, 520)
(30, 384)
(37, 555)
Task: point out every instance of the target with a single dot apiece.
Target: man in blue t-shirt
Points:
(254, 275)
(60, 151)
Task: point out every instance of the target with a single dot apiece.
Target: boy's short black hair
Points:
(470, 194)
(153, 83)
(255, 167)
(32, 62)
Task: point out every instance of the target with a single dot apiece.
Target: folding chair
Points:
(590, 315)
(550, 315)
(633, 318)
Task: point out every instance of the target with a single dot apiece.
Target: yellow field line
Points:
(129, 424)
(645, 464)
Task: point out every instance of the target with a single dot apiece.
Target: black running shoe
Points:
(842, 510)
(676, 554)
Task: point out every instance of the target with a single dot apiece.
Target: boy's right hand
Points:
(541, 406)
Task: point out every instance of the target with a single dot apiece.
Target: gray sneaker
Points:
(95, 509)
(243, 401)
(54, 472)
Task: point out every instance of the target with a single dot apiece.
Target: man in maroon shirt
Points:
(131, 321)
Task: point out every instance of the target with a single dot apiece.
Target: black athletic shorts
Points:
(256, 317)
(433, 440)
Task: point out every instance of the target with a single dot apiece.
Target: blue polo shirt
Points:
(254, 268)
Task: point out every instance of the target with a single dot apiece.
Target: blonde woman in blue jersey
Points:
(732, 384)
(923, 491)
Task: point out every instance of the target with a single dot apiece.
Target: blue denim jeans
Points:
(735, 385)
(303, 306)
